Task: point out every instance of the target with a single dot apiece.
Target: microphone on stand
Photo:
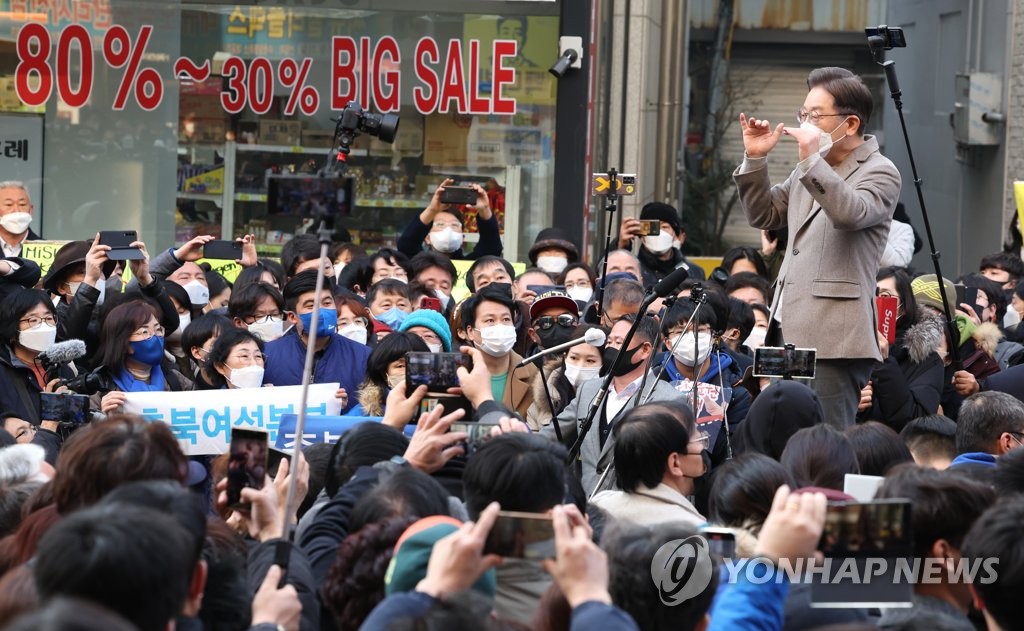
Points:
(594, 337)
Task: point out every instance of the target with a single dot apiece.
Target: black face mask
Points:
(554, 336)
(625, 365)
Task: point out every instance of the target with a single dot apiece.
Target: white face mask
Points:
(825, 139)
(198, 293)
(267, 330)
(580, 294)
(446, 240)
(337, 269)
(552, 264)
(684, 352)
(395, 380)
(443, 297)
(183, 321)
(434, 348)
(354, 332)
(16, 222)
(246, 377)
(756, 338)
(38, 339)
(659, 243)
(101, 286)
(578, 374)
(497, 340)
(676, 243)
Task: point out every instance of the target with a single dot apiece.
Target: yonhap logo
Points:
(682, 569)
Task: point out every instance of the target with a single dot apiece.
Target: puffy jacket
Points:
(342, 361)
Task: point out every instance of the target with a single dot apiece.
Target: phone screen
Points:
(437, 371)
(774, 361)
(247, 464)
(63, 407)
(720, 542)
(522, 535)
(878, 528)
(479, 433)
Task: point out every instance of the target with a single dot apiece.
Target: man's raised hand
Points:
(758, 136)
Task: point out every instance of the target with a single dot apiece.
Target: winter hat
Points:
(412, 554)
(70, 254)
(782, 408)
(432, 320)
(926, 292)
(661, 212)
(553, 238)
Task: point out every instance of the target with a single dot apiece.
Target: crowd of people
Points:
(656, 427)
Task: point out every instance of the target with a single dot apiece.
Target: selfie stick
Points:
(878, 44)
(610, 206)
(665, 287)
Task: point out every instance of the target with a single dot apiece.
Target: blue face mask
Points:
(393, 317)
(150, 352)
(325, 325)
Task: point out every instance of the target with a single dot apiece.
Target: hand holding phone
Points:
(522, 535)
(224, 250)
(459, 195)
(120, 243)
(247, 464)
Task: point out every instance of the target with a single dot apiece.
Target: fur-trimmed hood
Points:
(922, 339)
(371, 399)
(987, 336)
(560, 388)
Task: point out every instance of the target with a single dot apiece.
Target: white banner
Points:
(202, 420)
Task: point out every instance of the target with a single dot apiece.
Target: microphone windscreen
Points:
(65, 352)
(670, 283)
(595, 337)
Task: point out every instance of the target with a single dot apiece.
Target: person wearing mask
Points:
(690, 361)
(236, 360)
(990, 424)
(438, 274)
(431, 327)
(488, 323)
(220, 291)
(15, 218)
(440, 228)
(197, 341)
(565, 374)
(354, 320)
(579, 282)
(660, 254)
(596, 461)
(179, 265)
(131, 357)
(259, 309)
(78, 275)
(385, 370)
(338, 359)
(552, 251)
(388, 302)
(553, 316)
(526, 285)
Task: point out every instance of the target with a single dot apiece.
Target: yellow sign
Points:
(42, 252)
(602, 184)
(1018, 194)
(211, 182)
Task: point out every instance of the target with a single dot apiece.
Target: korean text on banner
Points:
(202, 421)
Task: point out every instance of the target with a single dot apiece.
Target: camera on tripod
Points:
(354, 119)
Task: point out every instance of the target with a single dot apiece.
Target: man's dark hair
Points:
(227, 603)
(1006, 261)
(645, 437)
(200, 330)
(254, 274)
(624, 291)
(427, 259)
(391, 257)
(304, 283)
(743, 280)
(878, 447)
(222, 348)
(932, 436)
(387, 286)
(996, 535)
(467, 311)
(944, 504)
(298, 250)
(245, 301)
(1008, 478)
(743, 489)
(129, 559)
(764, 309)
(522, 472)
(631, 549)
(102, 456)
(984, 417)
(177, 293)
(12, 499)
(389, 350)
(681, 312)
(170, 498)
(646, 331)
(71, 614)
(819, 456)
(993, 291)
(744, 253)
(741, 316)
(362, 446)
(849, 92)
(487, 261)
(404, 492)
(318, 455)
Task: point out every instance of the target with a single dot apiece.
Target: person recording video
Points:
(837, 203)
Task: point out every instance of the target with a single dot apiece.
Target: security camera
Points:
(570, 49)
(563, 64)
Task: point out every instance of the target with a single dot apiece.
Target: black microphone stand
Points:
(878, 44)
(611, 204)
(716, 349)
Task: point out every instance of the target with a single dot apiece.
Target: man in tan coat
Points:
(838, 203)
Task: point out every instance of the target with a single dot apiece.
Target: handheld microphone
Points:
(671, 283)
(594, 337)
(62, 353)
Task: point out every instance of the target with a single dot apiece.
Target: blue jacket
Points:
(750, 605)
(977, 458)
(342, 361)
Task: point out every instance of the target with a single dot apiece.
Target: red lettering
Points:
(425, 96)
(454, 86)
(342, 71)
(502, 76)
(477, 103)
(387, 75)
(364, 73)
